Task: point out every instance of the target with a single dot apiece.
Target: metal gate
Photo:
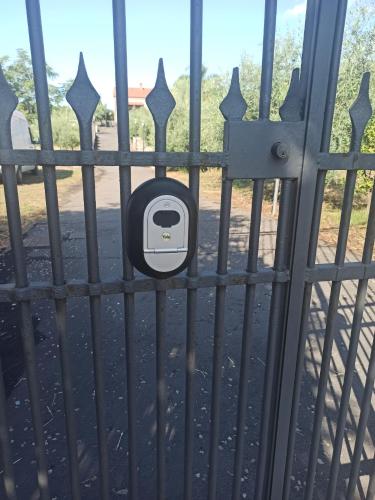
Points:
(295, 150)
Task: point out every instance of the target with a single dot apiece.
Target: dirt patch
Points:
(32, 199)
(210, 188)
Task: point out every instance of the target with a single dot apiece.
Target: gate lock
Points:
(161, 222)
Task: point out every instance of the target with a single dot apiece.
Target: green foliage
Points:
(103, 114)
(19, 74)
(287, 57)
(214, 88)
(178, 125)
(141, 125)
(65, 128)
(358, 56)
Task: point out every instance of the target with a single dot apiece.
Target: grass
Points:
(32, 199)
(33, 209)
(210, 188)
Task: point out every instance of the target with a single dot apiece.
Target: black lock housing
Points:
(162, 243)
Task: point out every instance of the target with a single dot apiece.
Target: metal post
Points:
(196, 15)
(120, 50)
(322, 76)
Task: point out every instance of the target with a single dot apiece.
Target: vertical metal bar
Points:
(6, 456)
(321, 75)
(161, 399)
(267, 58)
(269, 31)
(352, 354)
(370, 495)
(362, 425)
(161, 305)
(89, 202)
(314, 236)
(49, 174)
(196, 16)
(330, 331)
(226, 196)
(45, 131)
(274, 338)
(15, 232)
(308, 47)
(27, 331)
(252, 267)
(160, 145)
(120, 51)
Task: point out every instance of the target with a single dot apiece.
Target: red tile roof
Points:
(136, 92)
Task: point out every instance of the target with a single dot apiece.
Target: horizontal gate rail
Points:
(346, 161)
(9, 292)
(325, 161)
(111, 158)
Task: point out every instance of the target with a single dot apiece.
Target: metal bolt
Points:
(166, 236)
(280, 150)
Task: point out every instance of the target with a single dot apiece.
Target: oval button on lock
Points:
(161, 222)
(166, 218)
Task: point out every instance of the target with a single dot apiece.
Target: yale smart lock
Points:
(161, 221)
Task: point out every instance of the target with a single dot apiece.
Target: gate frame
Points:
(294, 269)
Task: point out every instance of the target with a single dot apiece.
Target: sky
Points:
(155, 28)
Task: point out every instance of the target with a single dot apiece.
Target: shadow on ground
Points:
(113, 357)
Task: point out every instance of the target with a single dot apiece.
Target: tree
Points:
(103, 114)
(65, 128)
(141, 125)
(19, 74)
(357, 57)
(214, 89)
(178, 125)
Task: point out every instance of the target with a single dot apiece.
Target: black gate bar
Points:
(120, 52)
(324, 61)
(53, 219)
(5, 450)
(196, 17)
(219, 327)
(83, 98)
(252, 267)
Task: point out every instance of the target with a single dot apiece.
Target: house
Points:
(137, 98)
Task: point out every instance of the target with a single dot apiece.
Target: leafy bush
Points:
(65, 128)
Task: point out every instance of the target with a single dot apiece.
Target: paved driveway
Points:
(113, 355)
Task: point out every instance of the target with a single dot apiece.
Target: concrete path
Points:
(113, 358)
(108, 141)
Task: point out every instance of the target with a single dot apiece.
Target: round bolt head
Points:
(280, 150)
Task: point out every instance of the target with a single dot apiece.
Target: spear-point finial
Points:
(360, 113)
(233, 106)
(291, 109)
(83, 97)
(160, 100)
